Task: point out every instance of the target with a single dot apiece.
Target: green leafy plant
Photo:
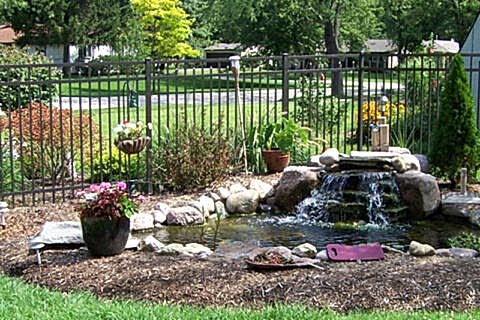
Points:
(10, 168)
(114, 165)
(455, 136)
(465, 240)
(285, 135)
(32, 88)
(107, 200)
(191, 157)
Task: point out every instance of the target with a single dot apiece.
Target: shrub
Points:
(15, 96)
(191, 157)
(465, 240)
(116, 166)
(10, 168)
(455, 136)
(51, 139)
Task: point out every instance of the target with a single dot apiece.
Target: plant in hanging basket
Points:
(105, 211)
(130, 137)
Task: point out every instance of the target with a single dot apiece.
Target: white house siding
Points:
(472, 45)
(55, 52)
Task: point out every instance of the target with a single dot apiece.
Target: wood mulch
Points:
(400, 282)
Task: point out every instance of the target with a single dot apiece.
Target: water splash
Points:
(371, 185)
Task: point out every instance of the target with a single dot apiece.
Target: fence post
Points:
(285, 95)
(148, 118)
(360, 101)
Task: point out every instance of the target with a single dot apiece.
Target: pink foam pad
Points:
(340, 252)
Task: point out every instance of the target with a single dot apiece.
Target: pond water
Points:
(264, 230)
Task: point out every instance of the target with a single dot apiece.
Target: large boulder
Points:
(243, 202)
(295, 185)
(329, 157)
(460, 205)
(185, 215)
(142, 221)
(419, 192)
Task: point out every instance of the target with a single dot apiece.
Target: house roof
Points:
(380, 46)
(446, 46)
(224, 47)
(7, 34)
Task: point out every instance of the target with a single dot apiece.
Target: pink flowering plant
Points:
(107, 200)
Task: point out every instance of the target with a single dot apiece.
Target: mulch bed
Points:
(400, 282)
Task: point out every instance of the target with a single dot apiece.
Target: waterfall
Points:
(349, 196)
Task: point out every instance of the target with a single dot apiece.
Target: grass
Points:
(24, 301)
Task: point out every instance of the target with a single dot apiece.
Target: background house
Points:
(470, 49)
(55, 52)
(222, 51)
(383, 53)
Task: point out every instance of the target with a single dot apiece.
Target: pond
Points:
(265, 230)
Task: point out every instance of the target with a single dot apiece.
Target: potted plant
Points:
(105, 213)
(130, 137)
(279, 139)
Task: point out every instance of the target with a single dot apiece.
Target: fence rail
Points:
(56, 134)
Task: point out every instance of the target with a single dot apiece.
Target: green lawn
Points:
(117, 86)
(21, 301)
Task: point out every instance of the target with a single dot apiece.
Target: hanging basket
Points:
(134, 145)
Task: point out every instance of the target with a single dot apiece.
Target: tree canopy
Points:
(64, 22)
(167, 28)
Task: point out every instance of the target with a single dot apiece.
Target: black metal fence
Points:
(56, 134)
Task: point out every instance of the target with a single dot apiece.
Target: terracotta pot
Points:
(276, 160)
(134, 145)
(105, 237)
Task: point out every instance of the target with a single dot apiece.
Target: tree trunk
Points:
(67, 70)
(331, 44)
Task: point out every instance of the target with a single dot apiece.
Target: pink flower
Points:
(104, 186)
(93, 188)
(121, 185)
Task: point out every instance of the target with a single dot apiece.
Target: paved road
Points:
(264, 97)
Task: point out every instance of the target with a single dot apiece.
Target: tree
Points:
(64, 22)
(408, 22)
(456, 137)
(296, 26)
(166, 26)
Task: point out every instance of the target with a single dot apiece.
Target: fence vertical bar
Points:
(148, 119)
(359, 101)
(285, 85)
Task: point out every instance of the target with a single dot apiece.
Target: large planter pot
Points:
(134, 145)
(276, 160)
(105, 237)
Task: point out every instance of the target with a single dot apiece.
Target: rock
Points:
(208, 204)
(305, 250)
(419, 192)
(411, 161)
(457, 252)
(150, 243)
(223, 193)
(329, 157)
(399, 150)
(421, 250)
(165, 208)
(141, 221)
(263, 207)
(133, 243)
(424, 163)
(197, 249)
(322, 255)
(295, 185)
(465, 206)
(263, 188)
(59, 233)
(185, 215)
(220, 210)
(173, 249)
(214, 196)
(399, 164)
(280, 250)
(243, 202)
(237, 187)
(314, 161)
(159, 216)
(200, 207)
(3, 219)
(391, 249)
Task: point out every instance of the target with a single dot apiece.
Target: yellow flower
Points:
(371, 112)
